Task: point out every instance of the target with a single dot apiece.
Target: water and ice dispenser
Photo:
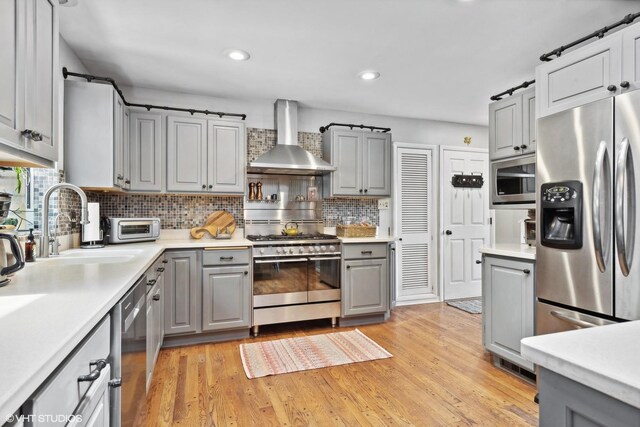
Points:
(561, 215)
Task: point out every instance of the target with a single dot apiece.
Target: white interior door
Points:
(413, 224)
(465, 223)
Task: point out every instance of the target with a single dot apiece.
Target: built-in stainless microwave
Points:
(126, 230)
(513, 182)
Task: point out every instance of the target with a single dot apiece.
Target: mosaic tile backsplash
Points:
(177, 211)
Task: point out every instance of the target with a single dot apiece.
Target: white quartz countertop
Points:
(513, 250)
(52, 304)
(604, 358)
(376, 239)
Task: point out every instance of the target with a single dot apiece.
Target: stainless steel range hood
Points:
(287, 157)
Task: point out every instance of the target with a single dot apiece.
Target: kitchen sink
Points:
(94, 256)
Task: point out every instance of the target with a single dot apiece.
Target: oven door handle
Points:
(275, 261)
(324, 259)
(575, 322)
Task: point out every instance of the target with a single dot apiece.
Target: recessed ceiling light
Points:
(237, 54)
(369, 75)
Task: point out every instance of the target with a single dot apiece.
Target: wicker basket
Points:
(356, 230)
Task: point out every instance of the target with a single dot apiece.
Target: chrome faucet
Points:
(84, 211)
(55, 245)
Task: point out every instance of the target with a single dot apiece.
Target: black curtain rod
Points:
(351, 126)
(509, 92)
(66, 73)
(599, 34)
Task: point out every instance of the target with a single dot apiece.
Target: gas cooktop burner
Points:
(280, 237)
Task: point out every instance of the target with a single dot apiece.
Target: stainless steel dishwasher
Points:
(129, 357)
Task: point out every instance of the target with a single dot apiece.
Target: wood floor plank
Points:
(440, 374)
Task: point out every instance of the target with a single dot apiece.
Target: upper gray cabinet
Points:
(587, 74)
(28, 81)
(512, 130)
(205, 155)
(144, 145)
(96, 136)
(631, 57)
(362, 160)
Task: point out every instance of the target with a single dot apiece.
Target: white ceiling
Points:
(439, 59)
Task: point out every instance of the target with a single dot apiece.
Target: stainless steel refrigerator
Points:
(587, 268)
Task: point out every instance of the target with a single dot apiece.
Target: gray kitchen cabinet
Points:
(145, 147)
(181, 292)
(567, 403)
(512, 130)
(94, 410)
(28, 81)
(508, 306)
(365, 284)
(362, 160)
(631, 58)
(205, 155)
(96, 136)
(581, 76)
(226, 298)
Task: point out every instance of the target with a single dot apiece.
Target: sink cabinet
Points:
(365, 285)
(29, 81)
(508, 306)
(362, 160)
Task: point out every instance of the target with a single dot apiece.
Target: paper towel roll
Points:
(91, 231)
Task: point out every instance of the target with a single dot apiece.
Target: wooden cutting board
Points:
(217, 220)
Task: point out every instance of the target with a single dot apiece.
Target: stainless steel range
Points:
(295, 277)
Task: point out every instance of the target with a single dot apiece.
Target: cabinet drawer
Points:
(365, 250)
(61, 394)
(225, 256)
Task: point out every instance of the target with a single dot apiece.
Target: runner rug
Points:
(301, 353)
(473, 306)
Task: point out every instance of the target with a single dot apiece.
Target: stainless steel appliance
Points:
(129, 357)
(294, 277)
(513, 182)
(11, 254)
(587, 269)
(530, 228)
(127, 230)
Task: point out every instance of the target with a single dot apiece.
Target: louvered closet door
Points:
(414, 222)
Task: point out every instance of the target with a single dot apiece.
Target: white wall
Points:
(507, 224)
(260, 114)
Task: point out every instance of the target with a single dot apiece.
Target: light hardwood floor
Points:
(440, 375)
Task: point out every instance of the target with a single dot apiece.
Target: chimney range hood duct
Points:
(287, 157)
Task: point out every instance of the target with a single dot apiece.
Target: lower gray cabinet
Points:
(365, 285)
(226, 298)
(566, 403)
(508, 306)
(181, 292)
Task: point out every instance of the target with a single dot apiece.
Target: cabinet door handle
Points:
(127, 181)
(115, 383)
(210, 186)
(526, 271)
(160, 269)
(366, 190)
(151, 282)
(27, 133)
(612, 88)
(361, 190)
(524, 147)
(246, 272)
(478, 261)
(119, 177)
(348, 267)
(204, 186)
(165, 261)
(625, 85)
(226, 258)
(156, 297)
(366, 252)
(36, 136)
(516, 148)
(99, 364)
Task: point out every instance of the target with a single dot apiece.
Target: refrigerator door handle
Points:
(575, 322)
(601, 167)
(625, 191)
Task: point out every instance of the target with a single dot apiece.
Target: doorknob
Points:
(448, 233)
(478, 261)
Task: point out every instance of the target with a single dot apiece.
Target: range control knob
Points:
(323, 248)
(290, 250)
(332, 248)
(279, 250)
(301, 250)
(262, 251)
(310, 248)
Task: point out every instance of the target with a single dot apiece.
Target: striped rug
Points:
(317, 351)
